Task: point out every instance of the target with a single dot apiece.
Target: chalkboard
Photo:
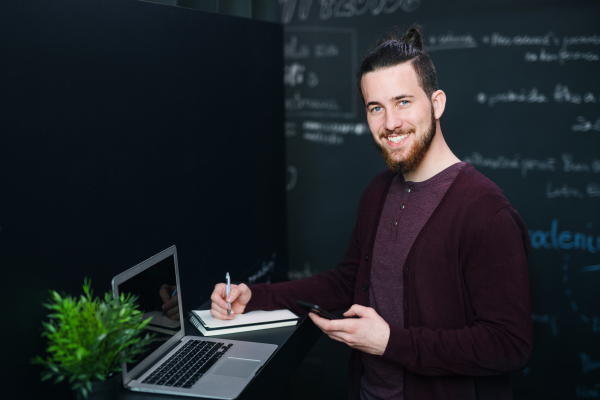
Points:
(128, 127)
(522, 79)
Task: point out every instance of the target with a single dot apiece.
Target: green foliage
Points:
(89, 339)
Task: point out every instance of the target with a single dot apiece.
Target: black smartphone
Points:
(317, 310)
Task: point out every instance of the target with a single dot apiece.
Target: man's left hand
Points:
(369, 333)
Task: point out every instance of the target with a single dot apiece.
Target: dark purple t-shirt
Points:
(407, 208)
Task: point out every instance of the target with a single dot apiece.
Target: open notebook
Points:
(252, 321)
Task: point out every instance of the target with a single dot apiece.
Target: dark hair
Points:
(393, 51)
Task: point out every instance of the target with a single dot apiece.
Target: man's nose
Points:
(392, 121)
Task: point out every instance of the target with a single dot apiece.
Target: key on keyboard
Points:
(188, 364)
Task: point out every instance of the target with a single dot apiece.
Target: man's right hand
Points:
(239, 296)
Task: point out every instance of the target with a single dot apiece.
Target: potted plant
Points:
(89, 339)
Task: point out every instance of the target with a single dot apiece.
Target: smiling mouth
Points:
(397, 139)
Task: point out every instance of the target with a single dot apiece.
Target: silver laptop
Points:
(175, 363)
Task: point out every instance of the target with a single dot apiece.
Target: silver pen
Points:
(228, 289)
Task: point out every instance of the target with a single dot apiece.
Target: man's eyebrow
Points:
(400, 97)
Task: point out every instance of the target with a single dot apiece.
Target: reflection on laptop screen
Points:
(155, 288)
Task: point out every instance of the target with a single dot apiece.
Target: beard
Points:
(415, 154)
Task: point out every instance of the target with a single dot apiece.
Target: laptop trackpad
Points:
(238, 367)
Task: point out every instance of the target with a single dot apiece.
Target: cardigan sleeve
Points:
(332, 290)
(499, 339)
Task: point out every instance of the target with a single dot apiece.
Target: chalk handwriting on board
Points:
(498, 39)
(590, 268)
(526, 165)
(510, 96)
(266, 269)
(331, 132)
(587, 364)
(318, 137)
(587, 393)
(564, 240)
(318, 72)
(547, 319)
(299, 103)
(583, 125)
(584, 316)
(593, 190)
(571, 166)
(560, 56)
(304, 273)
(294, 75)
(515, 162)
(290, 129)
(326, 50)
(293, 178)
(293, 51)
(564, 191)
(336, 127)
(344, 8)
(549, 47)
(450, 41)
(561, 95)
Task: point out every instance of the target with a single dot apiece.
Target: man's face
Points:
(400, 116)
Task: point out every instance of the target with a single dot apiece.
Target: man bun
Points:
(413, 38)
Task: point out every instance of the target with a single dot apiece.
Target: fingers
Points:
(165, 292)
(170, 309)
(219, 312)
(326, 325)
(234, 293)
(171, 303)
(218, 294)
(333, 329)
(219, 306)
(240, 293)
(357, 311)
(174, 317)
(239, 296)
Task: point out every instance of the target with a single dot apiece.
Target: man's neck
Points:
(438, 158)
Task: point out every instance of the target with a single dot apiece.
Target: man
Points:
(436, 268)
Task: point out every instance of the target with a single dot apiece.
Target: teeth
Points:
(397, 139)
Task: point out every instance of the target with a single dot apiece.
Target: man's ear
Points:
(438, 100)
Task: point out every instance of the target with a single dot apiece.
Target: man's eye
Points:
(403, 102)
(375, 109)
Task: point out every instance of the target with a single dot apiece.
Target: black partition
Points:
(127, 127)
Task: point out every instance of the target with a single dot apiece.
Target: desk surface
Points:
(293, 342)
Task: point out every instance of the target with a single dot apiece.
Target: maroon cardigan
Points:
(466, 304)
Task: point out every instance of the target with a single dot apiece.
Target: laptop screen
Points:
(157, 297)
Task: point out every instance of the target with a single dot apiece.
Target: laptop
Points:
(175, 363)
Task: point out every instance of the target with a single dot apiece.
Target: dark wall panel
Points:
(127, 127)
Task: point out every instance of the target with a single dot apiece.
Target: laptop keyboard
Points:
(188, 364)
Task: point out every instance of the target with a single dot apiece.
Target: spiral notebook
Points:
(252, 321)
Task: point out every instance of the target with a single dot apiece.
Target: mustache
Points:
(396, 132)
